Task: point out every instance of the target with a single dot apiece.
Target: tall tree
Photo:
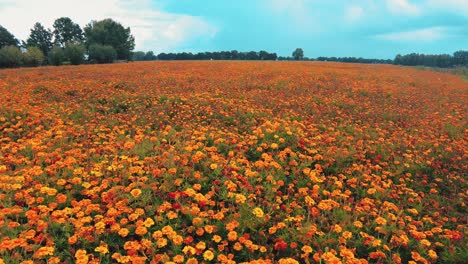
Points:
(111, 33)
(298, 54)
(65, 30)
(6, 38)
(41, 38)
(460, 57)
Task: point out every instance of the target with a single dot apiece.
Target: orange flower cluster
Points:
(227, 162)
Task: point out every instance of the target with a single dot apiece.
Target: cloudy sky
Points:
(367, 28)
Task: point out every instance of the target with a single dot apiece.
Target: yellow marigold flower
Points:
(274, 146)
(100, 225)
(135, 193)
(309, 201)
(347, 235)
(258, 212)
(216, 238)
(213, 166)
(148, 222)
(101, 250)
(306, 249)
(200, 245)
(208, 255)
(240, 199)
(189, 250)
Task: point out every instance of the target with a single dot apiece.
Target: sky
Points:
(357, 28)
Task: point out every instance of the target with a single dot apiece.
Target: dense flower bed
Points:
(267, 162)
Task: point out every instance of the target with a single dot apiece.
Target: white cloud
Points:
(353, 13)
(459, 6)
(426, 34)
(153, 29)
(296, 13)
(403, 7)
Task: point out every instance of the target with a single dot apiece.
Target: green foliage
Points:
(298, 54)
(75, 53)
(10, 57)
(108, 32)
(459, 58)
(6, 38)
(66, 31)
(41, 38)
(102, 53)
(57, 56)
(138, 56)
(33, 57)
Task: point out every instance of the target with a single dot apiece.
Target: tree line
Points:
(459, 58)
(106, 41)
(101, 41)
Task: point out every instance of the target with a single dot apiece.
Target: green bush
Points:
(10, 57)
(102, 53)
(57, 56)
(33, 57)
(75, 53)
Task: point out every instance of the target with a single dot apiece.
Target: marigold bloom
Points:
(123, 232)
(258, 212)
(135, 193)
(101, 250)
(208, 255)
(306, 249)
(232, 236)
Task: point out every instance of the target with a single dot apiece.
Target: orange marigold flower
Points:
(432, 254)
(123, 232)
(141, 230)
(306, 249)
(44, 251)
(135, 193)
(232, 236)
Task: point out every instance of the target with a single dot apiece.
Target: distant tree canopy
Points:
(298, 54)
(142, 56)
(219, 55)
(10, 57)
(459, 58)
(6, 38)
(102, 53)
(355, 60)
(108, 32)
(66, 31)
(40, 37)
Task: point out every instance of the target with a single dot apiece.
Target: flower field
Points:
(231, 162)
